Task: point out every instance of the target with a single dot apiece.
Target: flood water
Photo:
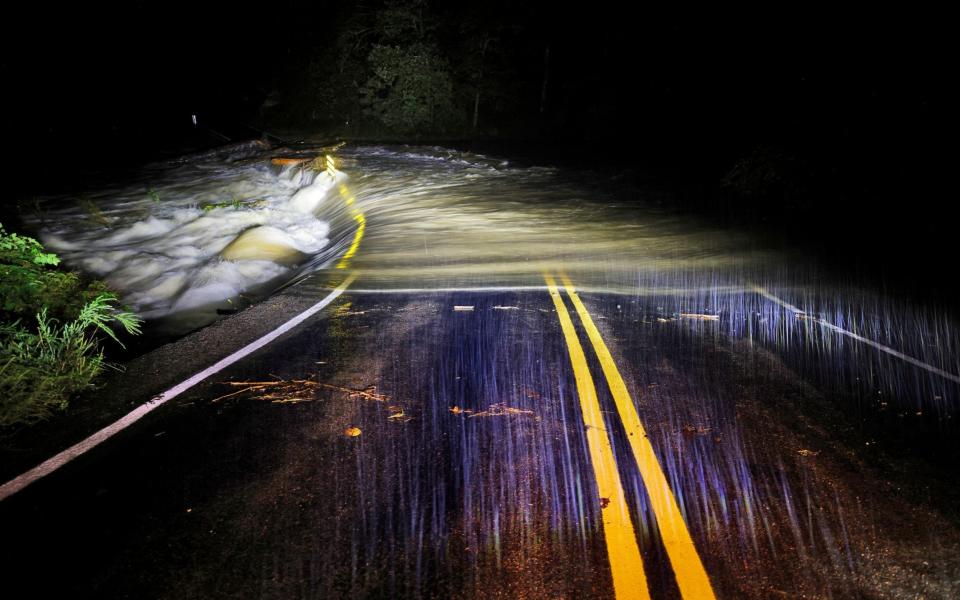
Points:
(192, 236)
(196, 238)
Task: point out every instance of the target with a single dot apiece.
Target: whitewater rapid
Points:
(197, 237)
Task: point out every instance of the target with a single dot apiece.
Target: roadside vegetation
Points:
(53, 326)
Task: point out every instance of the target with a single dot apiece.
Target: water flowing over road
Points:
(533, 381)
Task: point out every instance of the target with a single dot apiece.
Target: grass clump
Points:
(52, 327)
(234, 202)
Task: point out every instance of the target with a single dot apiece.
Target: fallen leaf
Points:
(352, 431)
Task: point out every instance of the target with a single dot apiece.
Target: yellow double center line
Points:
(361, 220)
(629, 580)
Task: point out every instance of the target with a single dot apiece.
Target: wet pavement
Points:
(470, 473)
(684, 417)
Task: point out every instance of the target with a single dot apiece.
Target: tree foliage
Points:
(403, 67)
(410, 89)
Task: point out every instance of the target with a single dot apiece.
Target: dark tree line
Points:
(408, 67)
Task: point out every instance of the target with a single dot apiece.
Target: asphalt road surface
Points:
(542, 438)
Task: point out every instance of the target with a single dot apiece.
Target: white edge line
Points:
(763, 292)
(887, 349)
(52, 464)
(905, 357)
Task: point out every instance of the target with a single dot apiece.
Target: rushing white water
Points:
(197, 236)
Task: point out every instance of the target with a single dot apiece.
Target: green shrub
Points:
(19, 248)
(29, 281)
(43, 362)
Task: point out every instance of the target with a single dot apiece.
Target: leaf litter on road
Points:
(296, 390)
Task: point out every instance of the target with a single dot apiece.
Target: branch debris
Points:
(700, 316)
(296, 390)
(499, 409)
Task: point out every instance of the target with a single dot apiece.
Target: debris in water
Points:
(352, 431)
(805, 452)
(461, 308)
(285, 162)
(332, 148)
(94, 214)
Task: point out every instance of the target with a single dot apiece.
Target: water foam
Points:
(195, 237)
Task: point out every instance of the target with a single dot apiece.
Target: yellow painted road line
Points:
(691, 576)
(626, 565)
(358, 216)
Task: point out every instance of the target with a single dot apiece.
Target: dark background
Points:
(843, 123)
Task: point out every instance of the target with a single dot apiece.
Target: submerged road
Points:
(526, 441)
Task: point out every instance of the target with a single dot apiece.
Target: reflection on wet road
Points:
(665, 414)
